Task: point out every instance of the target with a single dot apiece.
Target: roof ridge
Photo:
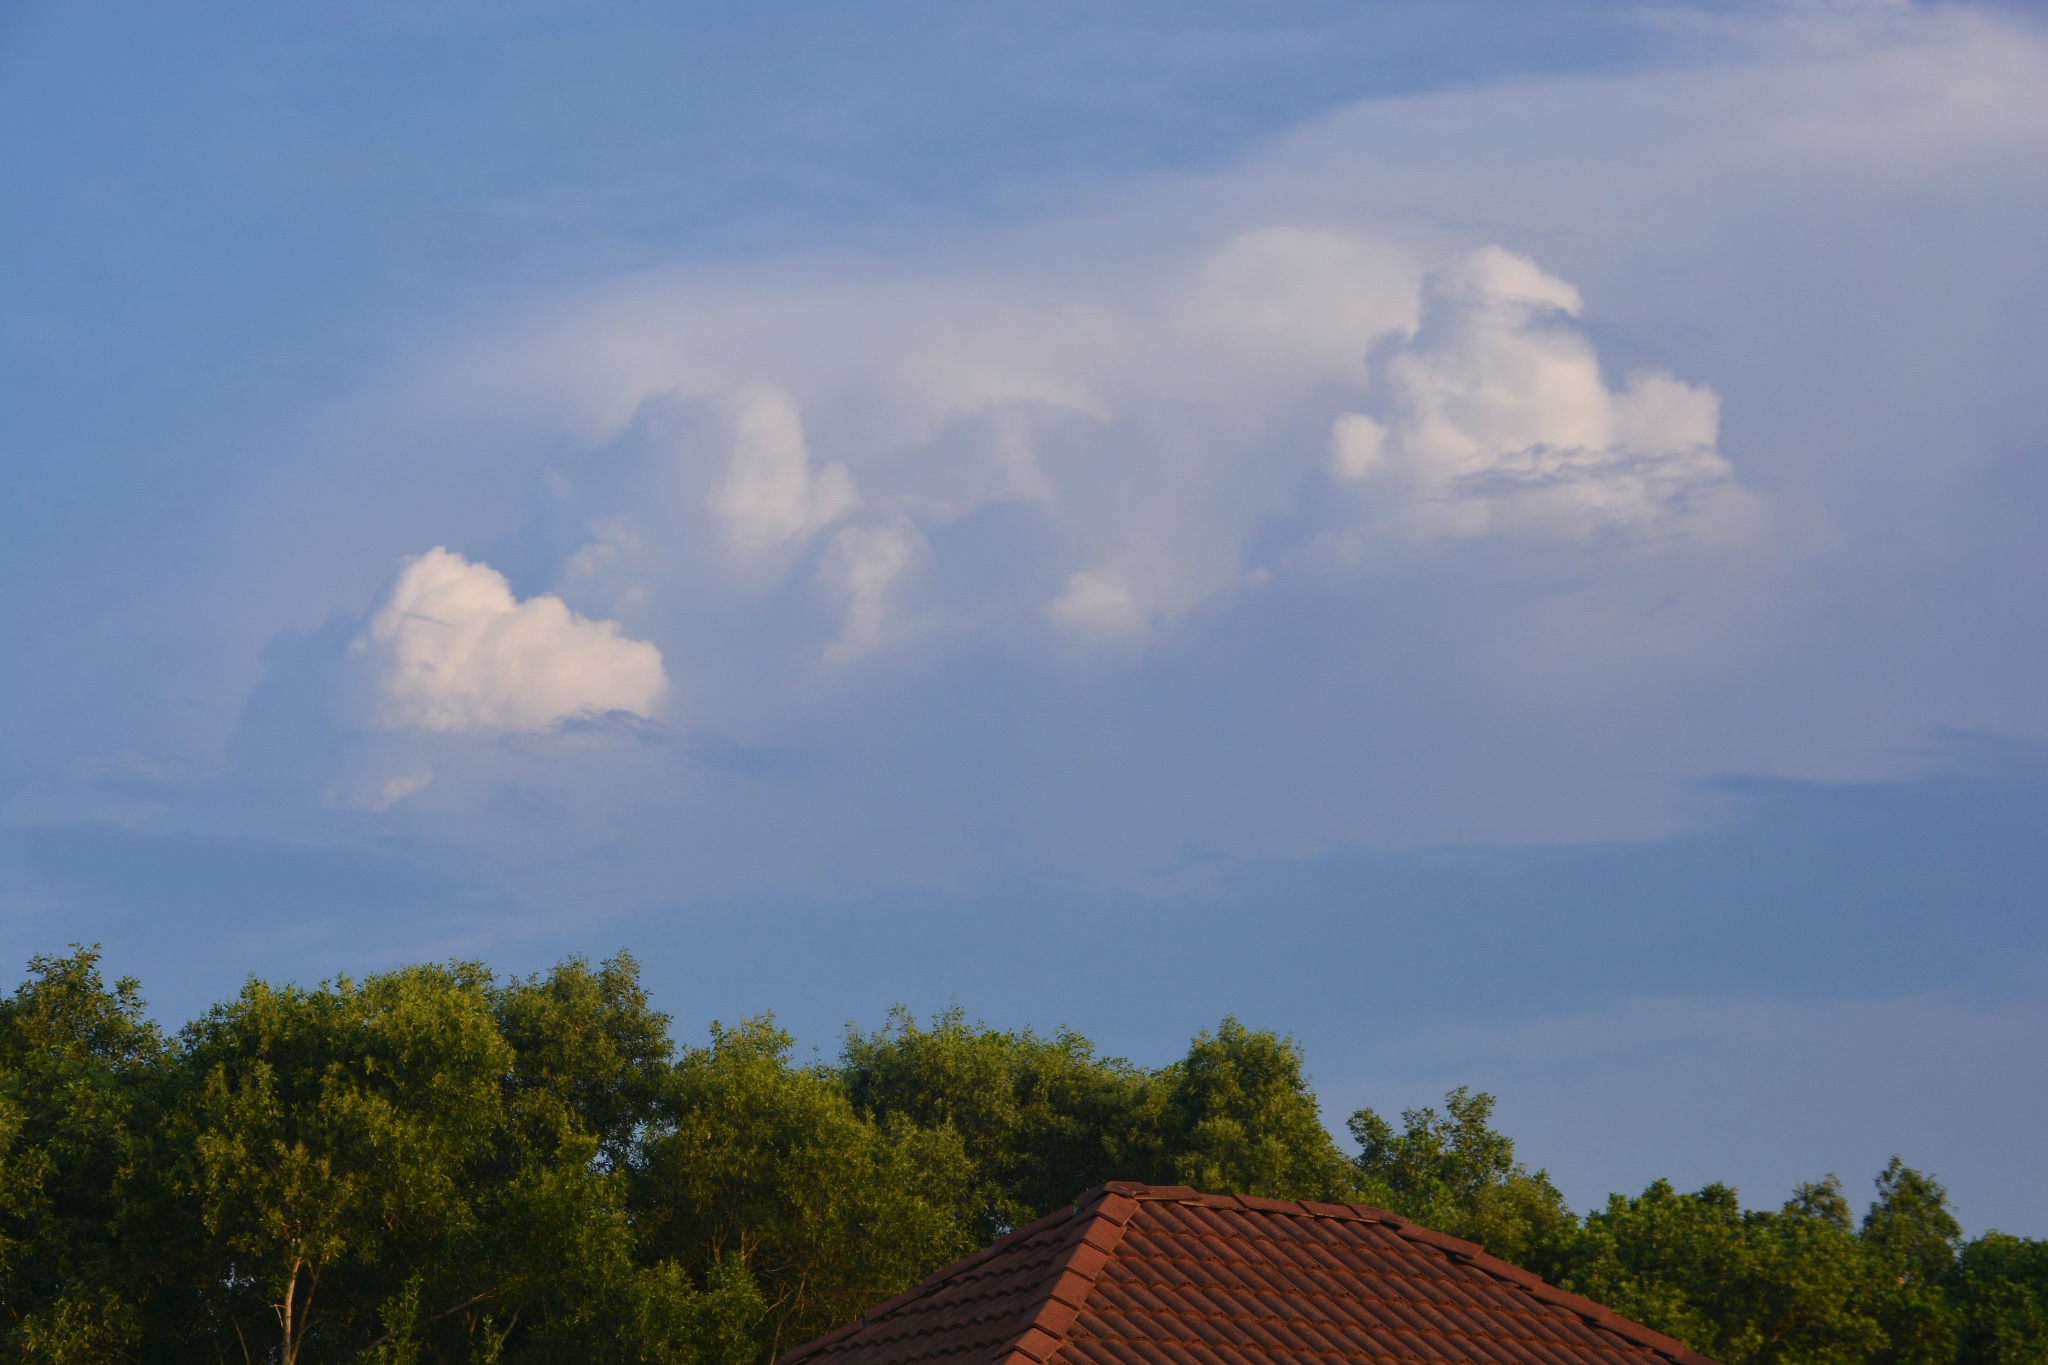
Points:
(1598, 1314)
(931, 1282)
(1101, 1215)
(1534, 1285)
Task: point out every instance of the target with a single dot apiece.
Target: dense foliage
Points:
(436, 1164)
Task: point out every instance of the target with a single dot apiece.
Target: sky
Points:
(1504, 540)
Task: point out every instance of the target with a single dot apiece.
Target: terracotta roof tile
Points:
(1165, 1275)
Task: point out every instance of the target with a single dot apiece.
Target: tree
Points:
(434, 1164)
(1453, 1172)
(1745, 1288)
(1910, 1224)
(589, 1054)
(1999, 1286)
(330, 1135)
(1914, 1236)
(427, 1163)
(769, 1166)
(76, 1064)
(1041, 1119)
(1236, 1115)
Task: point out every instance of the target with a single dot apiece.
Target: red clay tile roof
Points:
(1163, 1275)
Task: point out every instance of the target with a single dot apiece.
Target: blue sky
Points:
(1505, 540)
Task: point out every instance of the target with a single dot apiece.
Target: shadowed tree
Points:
(1914, 1236)
(2000, 1290)
(77, 1063)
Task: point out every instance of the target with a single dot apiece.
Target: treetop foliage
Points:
(438, 1164)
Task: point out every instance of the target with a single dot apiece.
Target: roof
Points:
(1164, 1275)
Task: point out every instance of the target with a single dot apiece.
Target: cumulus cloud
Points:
(1151, 428)
(1111, 423)
(771, 495)
(1289, 308)
(1496, 411)
(451, 649)
(1252, 323)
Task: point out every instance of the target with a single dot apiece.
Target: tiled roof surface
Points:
(1163, 1275)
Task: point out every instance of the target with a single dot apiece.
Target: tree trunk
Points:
(292, 1316)
(284, 1314)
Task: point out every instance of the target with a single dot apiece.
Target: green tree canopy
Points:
(1044, 1118)
(434, 1164)
(1791, 1287)
(78, 1060)
(1453, 1172)
(2000, 1291)
(1914, 1236)
(1039, 1118)
(1237, 1115)
(770, 1166)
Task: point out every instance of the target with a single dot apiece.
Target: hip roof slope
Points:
(1164, 1275)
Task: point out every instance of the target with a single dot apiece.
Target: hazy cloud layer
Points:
(1360, 537)
(1489, 464)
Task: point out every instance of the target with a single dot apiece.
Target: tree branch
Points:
(444, 1313)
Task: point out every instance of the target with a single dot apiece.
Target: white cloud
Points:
(1497, 411)
(451, 649)
(1288, 308)
(1140, 412)
(771, 496)
(613, 542)
(1156, 423)
(1243, 328)
(1357, 445)
(861, 565)
(1105, 423)
(1099, 421)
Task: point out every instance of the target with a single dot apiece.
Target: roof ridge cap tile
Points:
(1600, 1315)
(1072, 1280)
(1138, 1189)
(1188, 1194)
